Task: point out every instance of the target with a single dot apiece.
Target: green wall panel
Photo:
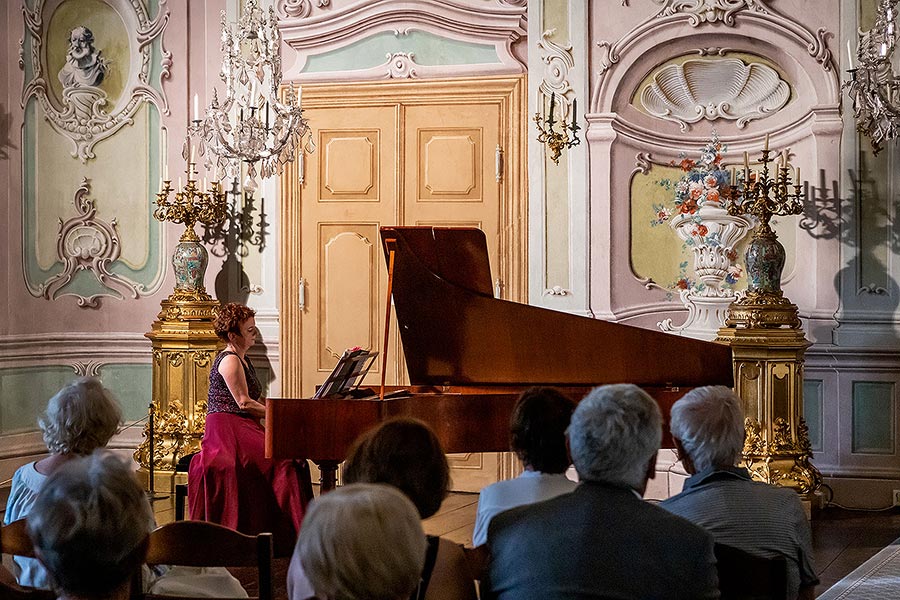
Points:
(24, 391)
(873, 417)
(813, 390)
(427, 49)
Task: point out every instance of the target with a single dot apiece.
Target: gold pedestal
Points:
(184, 346)
(768, 377)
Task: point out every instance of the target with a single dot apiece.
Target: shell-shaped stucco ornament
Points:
(717, 88)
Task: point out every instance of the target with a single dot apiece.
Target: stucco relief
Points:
(710, 11)
(88, 244)
(85, 96)
(299, 9)
(714, 88)
(558, 61)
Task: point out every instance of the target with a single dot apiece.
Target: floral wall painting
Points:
(90, 64)
(683, 239)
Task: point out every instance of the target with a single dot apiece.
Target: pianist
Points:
(231, 482)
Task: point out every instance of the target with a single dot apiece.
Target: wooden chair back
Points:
(204, 544)
(743, 576)
(477, 559)
(14, 540)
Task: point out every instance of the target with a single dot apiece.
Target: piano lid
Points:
(455, 332)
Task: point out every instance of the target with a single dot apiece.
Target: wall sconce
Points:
(566, 136)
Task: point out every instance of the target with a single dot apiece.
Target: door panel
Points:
(350, 192)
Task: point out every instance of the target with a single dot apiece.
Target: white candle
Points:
(797, 176)
(849, 55)
(164, 152)
(166, 171)
(192, 153)
(196, 107)
(299, 94)
(883, 50)
(766, 147)
(253, 93)
(161, 185)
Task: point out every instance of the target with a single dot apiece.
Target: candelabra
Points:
(763, 195)
(557, 140)
(251, 125)
(874, 88)
(767, 343)
(190, 205)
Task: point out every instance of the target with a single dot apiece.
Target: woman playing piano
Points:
(230, 481)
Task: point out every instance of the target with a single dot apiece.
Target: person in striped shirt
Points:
(707, 425)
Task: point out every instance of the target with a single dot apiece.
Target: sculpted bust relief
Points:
(84, 65)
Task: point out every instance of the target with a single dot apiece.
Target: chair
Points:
(204, 544)
(477, 560)
(14, 539)
(744, 576)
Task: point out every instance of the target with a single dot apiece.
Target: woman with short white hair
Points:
(363, 541)
(90, 525)
(79, 418)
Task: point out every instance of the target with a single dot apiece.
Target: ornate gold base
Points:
(764, 311)
(184, 345)
(768, 377)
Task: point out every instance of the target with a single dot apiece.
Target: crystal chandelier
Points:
(874, 88)
(251, 124)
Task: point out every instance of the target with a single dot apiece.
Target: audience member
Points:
(758, 518)
(602, 540)
(80, 418)
(406, 454)
(361, 542)
(89, 524)
(231, 481)
(538, 437)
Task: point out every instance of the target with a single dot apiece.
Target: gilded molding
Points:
(85, 243)
(83, 118)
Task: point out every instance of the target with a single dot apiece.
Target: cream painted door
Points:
(349, 192)
(450, 179)
(407, 153)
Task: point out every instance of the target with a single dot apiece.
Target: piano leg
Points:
(327, 474)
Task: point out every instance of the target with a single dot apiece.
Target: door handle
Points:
(302, 295)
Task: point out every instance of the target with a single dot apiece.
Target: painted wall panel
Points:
(873, 417)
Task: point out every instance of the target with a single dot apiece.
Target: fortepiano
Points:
(470, 355)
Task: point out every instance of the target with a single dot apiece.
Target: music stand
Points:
(347, 373)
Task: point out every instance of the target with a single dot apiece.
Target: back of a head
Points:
(709, 423)
(615, 431)
(538, 429)
(89, 524)
(362, 542)
(406, 454)
(80, 417)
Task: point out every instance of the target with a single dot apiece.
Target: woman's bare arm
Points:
(232, 371)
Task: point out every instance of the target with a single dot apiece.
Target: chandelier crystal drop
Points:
(874, 87)
(250, 124)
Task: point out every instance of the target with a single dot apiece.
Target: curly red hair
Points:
(230, 317)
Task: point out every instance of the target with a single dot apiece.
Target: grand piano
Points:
(470, 355)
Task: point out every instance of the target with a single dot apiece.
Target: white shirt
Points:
(527, 488)
(25, 486)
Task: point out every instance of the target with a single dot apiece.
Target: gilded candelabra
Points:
(764, 194)
(183, 337)
(557, 139)
(767, 343)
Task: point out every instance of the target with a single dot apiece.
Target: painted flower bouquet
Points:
(698, 215)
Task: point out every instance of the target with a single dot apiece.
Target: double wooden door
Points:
(424, 154)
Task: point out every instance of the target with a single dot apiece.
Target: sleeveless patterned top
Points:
(220, 398)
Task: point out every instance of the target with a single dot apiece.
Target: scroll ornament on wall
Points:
(558, 61)
(86, 243)
(84, 112)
